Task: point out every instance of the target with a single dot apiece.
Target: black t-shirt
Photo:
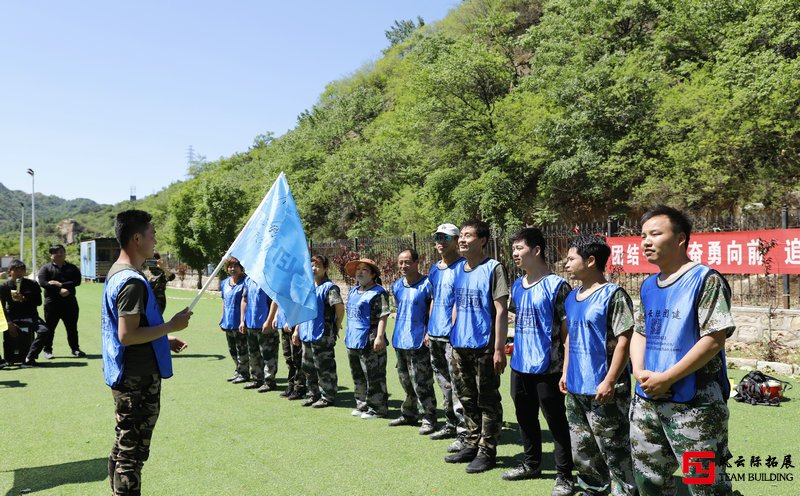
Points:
(139, 359)
(68, 275)
(16, 310)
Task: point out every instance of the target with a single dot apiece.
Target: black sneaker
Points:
(29, 364)
(3, 364)
(78, 354)
(310, 401)
(481, 463)
(523, 472)
(253, 385)
(563, 486)
(296, 395)
(446, 432)
(466, 455)
(286, 392)
(403, 420)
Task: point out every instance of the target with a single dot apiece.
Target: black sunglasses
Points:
(439, 237)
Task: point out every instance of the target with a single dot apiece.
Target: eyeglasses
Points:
(441, 238)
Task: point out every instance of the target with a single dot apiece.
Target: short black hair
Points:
(156, 255)
(532, 236)
(413, 252)
(322, 260)
(233, 261)
(16, 264)
(130, 222)
(589, 245)
(679, 220)
(55, 248)
(481, 228)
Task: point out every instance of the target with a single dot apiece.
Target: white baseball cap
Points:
(447, 229)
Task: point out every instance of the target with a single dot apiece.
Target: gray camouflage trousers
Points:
(293, 356)
(601, 450)
(416, 376)
(237, 347)
(369, 378)
(441, 360)
(662, 431)
(263, 350)
(319, 365)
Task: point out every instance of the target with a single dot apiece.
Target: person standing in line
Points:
(413, 294)
(232, 289)
(59, 279)
(262, 340)
(292, 355)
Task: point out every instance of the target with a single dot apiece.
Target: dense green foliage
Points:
(531, 111)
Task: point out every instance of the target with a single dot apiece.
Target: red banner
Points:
(728, 252)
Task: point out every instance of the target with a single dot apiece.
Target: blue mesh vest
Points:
(257, 305)
(412, 313)
(231, 304)
(534, 309)
(441, 320)
(359, 316)
(313, 330)
(473, 300)
(672, 328)
(113, 349)
(587, 321)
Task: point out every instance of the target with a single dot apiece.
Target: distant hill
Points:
(49, 209)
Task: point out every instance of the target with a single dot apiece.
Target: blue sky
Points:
(98, 97)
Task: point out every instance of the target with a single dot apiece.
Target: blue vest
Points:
(672, 328)
(441, 319)
(313, 330)
(474, 302)
(412, 313)
(359, 316)
(257, 305)
(587, 321)
(534, 308)
(231, 304)
(113, 349)
(281, 318)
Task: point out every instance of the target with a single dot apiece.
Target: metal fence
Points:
(747, 289)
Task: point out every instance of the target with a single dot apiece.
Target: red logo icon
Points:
(692, 460)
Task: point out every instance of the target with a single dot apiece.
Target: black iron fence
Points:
(747, 289)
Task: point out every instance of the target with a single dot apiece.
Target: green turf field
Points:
(213, 438)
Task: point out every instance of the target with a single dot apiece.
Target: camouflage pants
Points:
(416, 376)
(137, 401)
(661, 431)
(293, 356)
(478, 388)
(237, 347)
(369, 379)
(319, 365)
(441, 359)
(264, 345)
(601, 447)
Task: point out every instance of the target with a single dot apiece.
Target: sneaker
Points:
(48, 355)
(78, 354)
(253, 385)
(563, 486)
(357, 412)
(310, 401)
(29, 364)
(464, 455)
(3, 363)
(298, 394)
(240, 380)
(522, 472)
(371, 414)
(233, 377)
(456, 445)
(403, 420)
(427, 427)
(266, 387)
(286, 392)
(481, 463)
(446, 432)
(322, 403)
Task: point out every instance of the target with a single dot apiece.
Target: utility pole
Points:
(22, 233)
(33, 223)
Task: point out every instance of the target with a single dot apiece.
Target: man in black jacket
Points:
(59, 279)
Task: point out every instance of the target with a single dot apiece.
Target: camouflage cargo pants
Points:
(369, 379)
(293, 356)
(137, 401)
(601, 447)
(441, 360)
(267, 344)
(416, 376)
(237, 347)
(319, 365)
(478, 388)
(662, 431)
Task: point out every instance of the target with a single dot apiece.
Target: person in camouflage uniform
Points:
(292, 356)
(159, 277)
(680, 405)
(231, 289)
(318, 338)
(262, 339)
(413, 294)
(596, 379)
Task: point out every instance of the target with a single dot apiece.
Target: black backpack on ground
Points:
(756, 390)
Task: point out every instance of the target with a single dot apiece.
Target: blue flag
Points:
(273, 250)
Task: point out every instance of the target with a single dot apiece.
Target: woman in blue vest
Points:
(365, 338)
(318, 338)
(232, 288)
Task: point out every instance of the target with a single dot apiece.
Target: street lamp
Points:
(33, 225)
(22, 232)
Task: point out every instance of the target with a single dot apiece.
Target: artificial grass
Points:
(57, 426)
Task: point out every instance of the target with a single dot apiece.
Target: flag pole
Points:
(230, 248)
